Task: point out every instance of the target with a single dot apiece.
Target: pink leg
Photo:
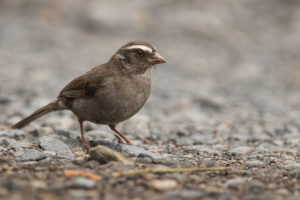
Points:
(113, 127)
(84, 144)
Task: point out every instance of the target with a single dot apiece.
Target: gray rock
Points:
(19, 145)
(208, 162)
(32, 155)
(235, 182)
(76, 183)
(254, 163)
(241, 150)
(184, 141)
(201, 139)
(12, 184)
(81, 182)
(289, 165)
(203, 149)
(12, 132)
(298, 173)
(76, 194)
(134, 151)
(2, 149)
(104, 155)
(105, 142)
(38, 185)
(60, 149)
(181, 194)
(144, 160)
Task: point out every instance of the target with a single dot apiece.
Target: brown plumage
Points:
(108, 93)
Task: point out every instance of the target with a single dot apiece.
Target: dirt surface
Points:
(229, 96)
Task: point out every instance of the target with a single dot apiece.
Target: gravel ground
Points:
(229, 96)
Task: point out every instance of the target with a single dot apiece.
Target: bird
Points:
(109, 93)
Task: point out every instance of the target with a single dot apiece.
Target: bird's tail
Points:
(54, 105)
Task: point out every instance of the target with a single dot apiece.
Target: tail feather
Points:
(37, 114)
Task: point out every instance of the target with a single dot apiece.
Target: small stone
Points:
(282, 191)
(16, 144)
(12, 133)
(200, 139)
(4, 142)
(32, 155)
(235, 183)
(82, 182)
(241, 150)
(298, 174)
(104, 142)
(162, 185)
(143, 160)
(104, 155)
(60, 149)
(12, 184)
(254, 163)
(38, 185)
(134, 151)
(80, 194)
(289, 165)
(208, 162)
(202, 149)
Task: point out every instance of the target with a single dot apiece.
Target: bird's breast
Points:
(121, 99)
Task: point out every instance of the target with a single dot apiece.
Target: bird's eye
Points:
(140, 52)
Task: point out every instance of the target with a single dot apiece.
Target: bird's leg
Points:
(84, 144)
(113, 127)
(120, 141)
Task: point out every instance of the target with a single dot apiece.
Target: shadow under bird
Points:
(109, 93)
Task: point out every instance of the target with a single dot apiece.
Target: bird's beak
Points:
(156, 59)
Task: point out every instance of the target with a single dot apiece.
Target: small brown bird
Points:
(109, 93)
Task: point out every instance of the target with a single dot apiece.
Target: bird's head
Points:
(137, 57)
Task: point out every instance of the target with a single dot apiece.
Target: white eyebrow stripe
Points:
(142, 47)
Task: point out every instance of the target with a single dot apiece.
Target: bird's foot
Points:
(85, 146)
(120, 141)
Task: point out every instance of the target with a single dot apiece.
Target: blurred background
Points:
(228, 95)
(229, 60)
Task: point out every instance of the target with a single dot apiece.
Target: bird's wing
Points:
(84, 86)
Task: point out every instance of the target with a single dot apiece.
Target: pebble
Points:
(16, 144)
(289, 165)
(76, 183)
(181, 194)
(104, 155)
(241, 150)
(282, 191)
(162, 185)
(12, 133)
(236, 182)
(82, 182)
(32, 155)
(134, 151)
(208, 162)
(76, 194)
(298, 173)
(104, 142)
(51, 144)
(38, 185)
(254, 163)
(143, 160)
(201, 139)
(202, 149)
